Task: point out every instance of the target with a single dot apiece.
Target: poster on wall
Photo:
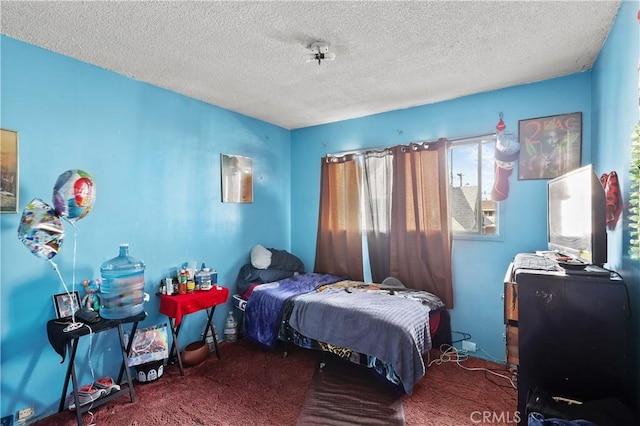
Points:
(549, 146)
(237, 179)
(8, 171)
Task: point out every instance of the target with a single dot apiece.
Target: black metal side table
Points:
(63, 341)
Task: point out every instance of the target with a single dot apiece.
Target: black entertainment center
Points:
(571, 334)
(567, 316)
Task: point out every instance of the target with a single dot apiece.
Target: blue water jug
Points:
(122, 288)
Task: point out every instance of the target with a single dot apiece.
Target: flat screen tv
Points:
(576, 216)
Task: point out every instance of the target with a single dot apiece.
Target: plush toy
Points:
(90, 300)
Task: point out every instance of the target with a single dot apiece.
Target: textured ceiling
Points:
(250, 57)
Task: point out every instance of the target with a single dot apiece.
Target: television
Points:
(576, 216)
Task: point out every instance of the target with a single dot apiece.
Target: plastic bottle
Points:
(182, 279)
(230, 328)
(203, 278)
(122, 288)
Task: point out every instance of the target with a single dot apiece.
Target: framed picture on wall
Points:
(66, 304)
(549, 146)
(8, 171)
(237, 179)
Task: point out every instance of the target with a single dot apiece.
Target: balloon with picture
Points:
(74, 194)
(41, 229)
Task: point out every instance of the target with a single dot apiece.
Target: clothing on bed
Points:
(264, 308)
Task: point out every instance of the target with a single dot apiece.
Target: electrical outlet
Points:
(25, 413)
(469, 346)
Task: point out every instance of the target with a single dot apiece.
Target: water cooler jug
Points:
(122, 289)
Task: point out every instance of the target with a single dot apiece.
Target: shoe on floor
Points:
(107, 384)
(86, 394)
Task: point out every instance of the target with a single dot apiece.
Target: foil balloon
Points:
(40, 229)
(74, 194)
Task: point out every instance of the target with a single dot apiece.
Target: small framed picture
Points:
(549, 146)
(237, 179)
(66, 304)
(8, 171)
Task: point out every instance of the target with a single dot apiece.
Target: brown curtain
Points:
(377, 183)
(339, 242)
(420, 238)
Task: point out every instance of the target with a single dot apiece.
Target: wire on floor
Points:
(465, 336)
(451, 354)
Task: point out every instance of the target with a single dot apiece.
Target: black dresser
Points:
(571, 335)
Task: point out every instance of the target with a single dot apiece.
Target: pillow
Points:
(260, 257)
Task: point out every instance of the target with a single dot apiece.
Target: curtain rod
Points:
(382, 150)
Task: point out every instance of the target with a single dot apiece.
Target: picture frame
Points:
(237, 178)
(549, 146)
(8, 171)
(66, 304)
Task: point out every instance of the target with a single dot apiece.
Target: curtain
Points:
(420, 237)
(377, 182)
(339, 241)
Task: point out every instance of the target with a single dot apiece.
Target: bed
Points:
(387, 329)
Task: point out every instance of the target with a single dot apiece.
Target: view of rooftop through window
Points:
(471, 177)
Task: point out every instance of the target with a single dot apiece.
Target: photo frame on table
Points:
(8, 171)
(237, 179)
(549, 146)
(66, 304)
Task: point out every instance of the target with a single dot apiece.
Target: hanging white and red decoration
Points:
(505, 155)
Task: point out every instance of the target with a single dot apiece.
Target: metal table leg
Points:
(175, 352)
(125, 355)
(210, 327)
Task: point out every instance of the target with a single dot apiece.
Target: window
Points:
(471, 178)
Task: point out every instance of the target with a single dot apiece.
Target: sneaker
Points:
(107, 385)
(86, 394)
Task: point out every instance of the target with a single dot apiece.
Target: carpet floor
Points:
(346, 394)
(250, 385)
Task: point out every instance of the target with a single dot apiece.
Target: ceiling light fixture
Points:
(319, 51)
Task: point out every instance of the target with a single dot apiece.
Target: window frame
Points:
(477, 141)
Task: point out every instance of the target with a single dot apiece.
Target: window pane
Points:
(471, 178)
(488, 177)
(463, 184)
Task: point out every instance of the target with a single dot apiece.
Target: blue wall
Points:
(478, 266)
(615, 113)
(155, 158)
(608, 115)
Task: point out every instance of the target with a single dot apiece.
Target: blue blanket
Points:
(264, 308)
(393, 329)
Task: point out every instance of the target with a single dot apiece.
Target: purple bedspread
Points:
(263, 311)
